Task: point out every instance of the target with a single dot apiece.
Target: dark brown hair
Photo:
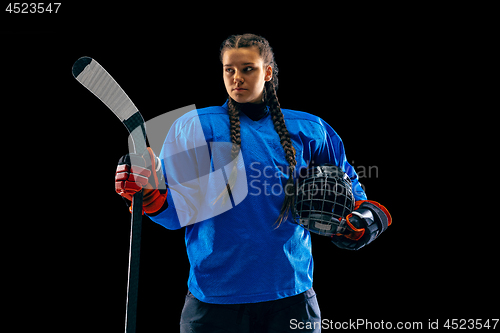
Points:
(271, 99)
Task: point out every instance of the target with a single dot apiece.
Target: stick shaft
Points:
(133, 264)
(97, 80)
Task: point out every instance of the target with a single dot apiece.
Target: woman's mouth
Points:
(239, 89)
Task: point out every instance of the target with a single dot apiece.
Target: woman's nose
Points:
(237, 77)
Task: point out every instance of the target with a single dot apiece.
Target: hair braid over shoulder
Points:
(235, 134)
(280, 128)
(234, 127)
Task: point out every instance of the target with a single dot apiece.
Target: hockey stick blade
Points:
(95, 78)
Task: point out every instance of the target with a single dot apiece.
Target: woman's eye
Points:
(229, 70)
(248, 69)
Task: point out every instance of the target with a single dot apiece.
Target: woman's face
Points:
(245, 75)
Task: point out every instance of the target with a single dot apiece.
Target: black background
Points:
(384, 82)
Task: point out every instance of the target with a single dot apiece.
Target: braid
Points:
(286, 142)
(279, 124)
(234, 120)
(235, 134)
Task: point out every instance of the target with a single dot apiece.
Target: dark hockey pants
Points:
(291, 314)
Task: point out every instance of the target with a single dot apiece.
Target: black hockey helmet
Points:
(324, 199)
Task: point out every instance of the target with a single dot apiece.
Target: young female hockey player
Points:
(251, 267)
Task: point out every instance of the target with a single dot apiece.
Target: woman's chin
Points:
(241, 98)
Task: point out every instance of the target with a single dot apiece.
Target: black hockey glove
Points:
(368, 220)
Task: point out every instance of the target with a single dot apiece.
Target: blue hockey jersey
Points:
(236, 253)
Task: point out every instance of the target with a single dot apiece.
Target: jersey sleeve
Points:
(332, 151)
(182, 156)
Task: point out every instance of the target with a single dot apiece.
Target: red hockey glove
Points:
(367, 221)
(135, 172)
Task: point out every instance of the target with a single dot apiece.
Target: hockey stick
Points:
(95, 78)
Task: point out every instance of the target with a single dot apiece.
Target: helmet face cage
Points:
(324, 199)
